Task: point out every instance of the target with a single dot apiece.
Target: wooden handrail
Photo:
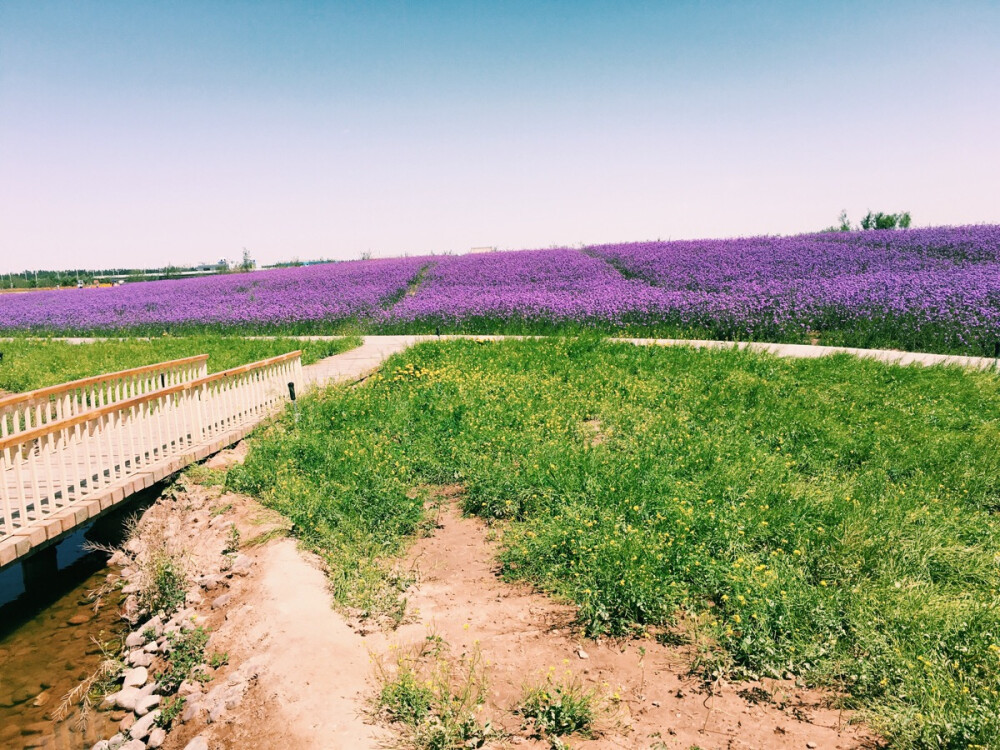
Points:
(93, 414)
(51, 390)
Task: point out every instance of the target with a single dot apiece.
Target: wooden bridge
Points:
(69, 453)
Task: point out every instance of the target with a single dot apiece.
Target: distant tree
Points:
(248, 263)
(880, 220)
(843, 224)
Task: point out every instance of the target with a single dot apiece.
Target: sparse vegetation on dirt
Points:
(558, 708)
(831, 519)
(434, 696)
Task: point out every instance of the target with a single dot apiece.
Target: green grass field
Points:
(35, 363)
(832, 518)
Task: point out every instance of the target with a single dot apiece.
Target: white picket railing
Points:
(61, 463)
(20, 412)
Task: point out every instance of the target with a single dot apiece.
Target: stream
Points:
(51, 637)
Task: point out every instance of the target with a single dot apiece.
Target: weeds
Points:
(170, 709)
(232, 540)
(92, 690)
(558, 709)
(206, 477)
(168, 584)
(219, 510)
(434, 698)
(187, 651)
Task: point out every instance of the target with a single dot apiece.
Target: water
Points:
(43, 656)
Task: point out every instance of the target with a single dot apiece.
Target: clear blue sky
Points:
(141, 133)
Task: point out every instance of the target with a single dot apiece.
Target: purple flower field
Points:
(284, 297)
(542, 286)
(923, 289)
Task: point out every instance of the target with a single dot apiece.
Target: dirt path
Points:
(314, 671)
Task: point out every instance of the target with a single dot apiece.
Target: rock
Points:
(41, 699)
(134, 640)
(131, 607)
(156, 737)
(209, 582)
(189, 688)
(131, 588)
(144, 726)
(118, 558)
(22, 694)
(136, 677)
(139, 658)
(151, 648)
(126, 724)
(116, 741)
(582, 654)
(78, 619)
(108, 702)
(222, 601)
(198, 743)
(192, 708)
(241, 565)
(133, 546)
(146, 704)
(149, 689)
(126, 698)
(156, 623)
(811, 745)
(102, 745)
(134, 745)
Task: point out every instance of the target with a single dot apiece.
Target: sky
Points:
(138, 134)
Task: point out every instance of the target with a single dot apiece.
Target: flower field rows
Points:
(923, 289)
